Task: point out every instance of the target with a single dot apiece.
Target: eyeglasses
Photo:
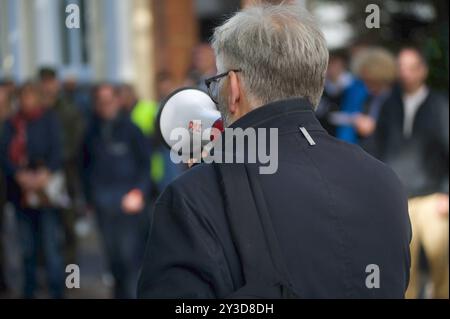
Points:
(212, 84)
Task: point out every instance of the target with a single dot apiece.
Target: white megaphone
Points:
(192, 111)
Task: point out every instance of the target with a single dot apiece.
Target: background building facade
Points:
(131, 41)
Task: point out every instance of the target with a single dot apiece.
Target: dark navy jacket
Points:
(335, 210)
(420, 160)
(44, 148)
(116, 159)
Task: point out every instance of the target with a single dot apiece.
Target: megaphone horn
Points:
(190, 109)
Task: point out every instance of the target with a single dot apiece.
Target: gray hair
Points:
(279, 48)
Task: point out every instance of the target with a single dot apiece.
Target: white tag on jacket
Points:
(307, 136)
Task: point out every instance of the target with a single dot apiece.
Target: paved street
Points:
(95, 282)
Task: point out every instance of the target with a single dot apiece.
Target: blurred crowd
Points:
(69, 150)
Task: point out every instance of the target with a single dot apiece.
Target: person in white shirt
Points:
(413, 138)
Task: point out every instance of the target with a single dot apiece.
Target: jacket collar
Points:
(286, 115)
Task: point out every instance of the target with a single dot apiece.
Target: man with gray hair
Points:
(333, 220)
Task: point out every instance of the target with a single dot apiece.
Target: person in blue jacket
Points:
(115, 164)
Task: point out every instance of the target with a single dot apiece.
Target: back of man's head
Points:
(279, 48)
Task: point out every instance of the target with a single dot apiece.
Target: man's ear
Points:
(234, 98)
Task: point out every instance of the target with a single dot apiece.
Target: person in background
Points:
(72, 125)
(342, 93)
(377, 68)
(10, 86)
(413, 138)
(203, 65)
(78, 96)
(351, 103)
(165, 84)
(6, 102)
(116, 178)
(5, 112)
(30, 155)
(144, 115)
(142, 112)
(168, 170)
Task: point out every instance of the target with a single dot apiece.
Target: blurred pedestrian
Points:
(165, 84)
(30, 153)
(72, 125)
(164, 171)
(203, 65)
(78, 96)
(413, 135)
(5, 112)
(377, 69)
(343, 95)
(116, 177)
(142, 112)
(10, 86)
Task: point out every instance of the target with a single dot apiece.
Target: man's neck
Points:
(415, 91)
